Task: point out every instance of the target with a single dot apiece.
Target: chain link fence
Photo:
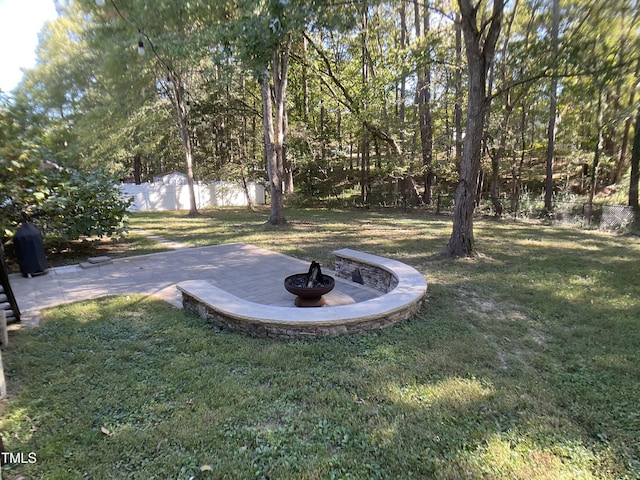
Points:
(577, 213)
(608, 217)
(565, 211)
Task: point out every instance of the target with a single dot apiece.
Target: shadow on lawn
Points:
(521, 364)
(439, 396)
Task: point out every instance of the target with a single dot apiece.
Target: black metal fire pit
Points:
(309, 287)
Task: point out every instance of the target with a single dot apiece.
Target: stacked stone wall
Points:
(262, 329)
(372, 276)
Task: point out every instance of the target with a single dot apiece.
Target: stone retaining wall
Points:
(403, 287)
(372, 275)
(262, 329)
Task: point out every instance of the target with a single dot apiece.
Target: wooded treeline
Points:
(359, 99)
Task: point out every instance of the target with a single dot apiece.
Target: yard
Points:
(523, 363)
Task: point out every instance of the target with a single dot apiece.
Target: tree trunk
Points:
(497, 155)
(494, 187)
(193, 209)
(364, 168)
(254, 134)
(424, 106)
(274, 122)
(323, 139)
(597, 152)
(461, 242)
(458, 92)
(280, 71)
(137, 169)
(288, 168)
(364, 160)
(403, 81)
(553, 106)
(635, 167)
(242, 155)
(622, 153)
(180, 103)
(624, 144)
(275, 174)
(517, 172)
(480, 50)
(305, 83)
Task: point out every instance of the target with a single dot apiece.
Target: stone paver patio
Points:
(251, 273)
(403, 288)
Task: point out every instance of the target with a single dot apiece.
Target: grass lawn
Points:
(523, 363)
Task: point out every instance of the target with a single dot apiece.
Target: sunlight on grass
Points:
(452, 393)
(521, 364)
(510, 455)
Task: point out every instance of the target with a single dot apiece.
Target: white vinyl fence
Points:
(157, 196)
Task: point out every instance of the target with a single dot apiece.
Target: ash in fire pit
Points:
(309, 287)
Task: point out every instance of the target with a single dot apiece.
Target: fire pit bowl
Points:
(296, 284)
(309, 287)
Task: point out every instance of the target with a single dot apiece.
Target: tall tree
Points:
(174, 37)
(553, 106)
(480, 38)
(458, 90)
(365, 71)
(497, 153)
(635, 168)
(402, 89)
(274, 123)
(424, 100)
(263, 36)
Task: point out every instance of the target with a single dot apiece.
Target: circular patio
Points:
(395, 292)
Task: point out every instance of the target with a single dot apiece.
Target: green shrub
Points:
(83, 204)
(63, 203)
(23, 189)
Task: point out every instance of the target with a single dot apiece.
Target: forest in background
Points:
(369, 98)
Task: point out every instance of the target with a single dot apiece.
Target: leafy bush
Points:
(83, 204)
(24, 186)
(63, 203)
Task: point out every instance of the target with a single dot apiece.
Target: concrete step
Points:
(100, 260)
(88, 265)
(96, 262)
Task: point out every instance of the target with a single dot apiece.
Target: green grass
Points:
(310, 233)
(523, 363)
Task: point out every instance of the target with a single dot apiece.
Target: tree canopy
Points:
(376, 104)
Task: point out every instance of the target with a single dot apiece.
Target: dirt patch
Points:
(491, 316)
